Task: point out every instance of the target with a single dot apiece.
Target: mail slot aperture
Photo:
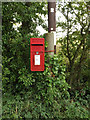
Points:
(37, 44)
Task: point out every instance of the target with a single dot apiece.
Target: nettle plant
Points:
(45, 91)
(52, 76)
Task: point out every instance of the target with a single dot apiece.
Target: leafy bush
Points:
(46, 88)
(36, 94)
(42, 94)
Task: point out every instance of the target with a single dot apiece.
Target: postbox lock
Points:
(37, 52)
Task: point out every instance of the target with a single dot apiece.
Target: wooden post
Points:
(51, 35)
(51, 16)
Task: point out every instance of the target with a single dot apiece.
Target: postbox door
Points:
(37, 54)
(37, 61)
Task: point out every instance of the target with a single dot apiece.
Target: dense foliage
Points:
(29, 94)
(74, 46)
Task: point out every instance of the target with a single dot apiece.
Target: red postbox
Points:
(37, 54)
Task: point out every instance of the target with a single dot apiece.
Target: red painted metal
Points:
(37, 48)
